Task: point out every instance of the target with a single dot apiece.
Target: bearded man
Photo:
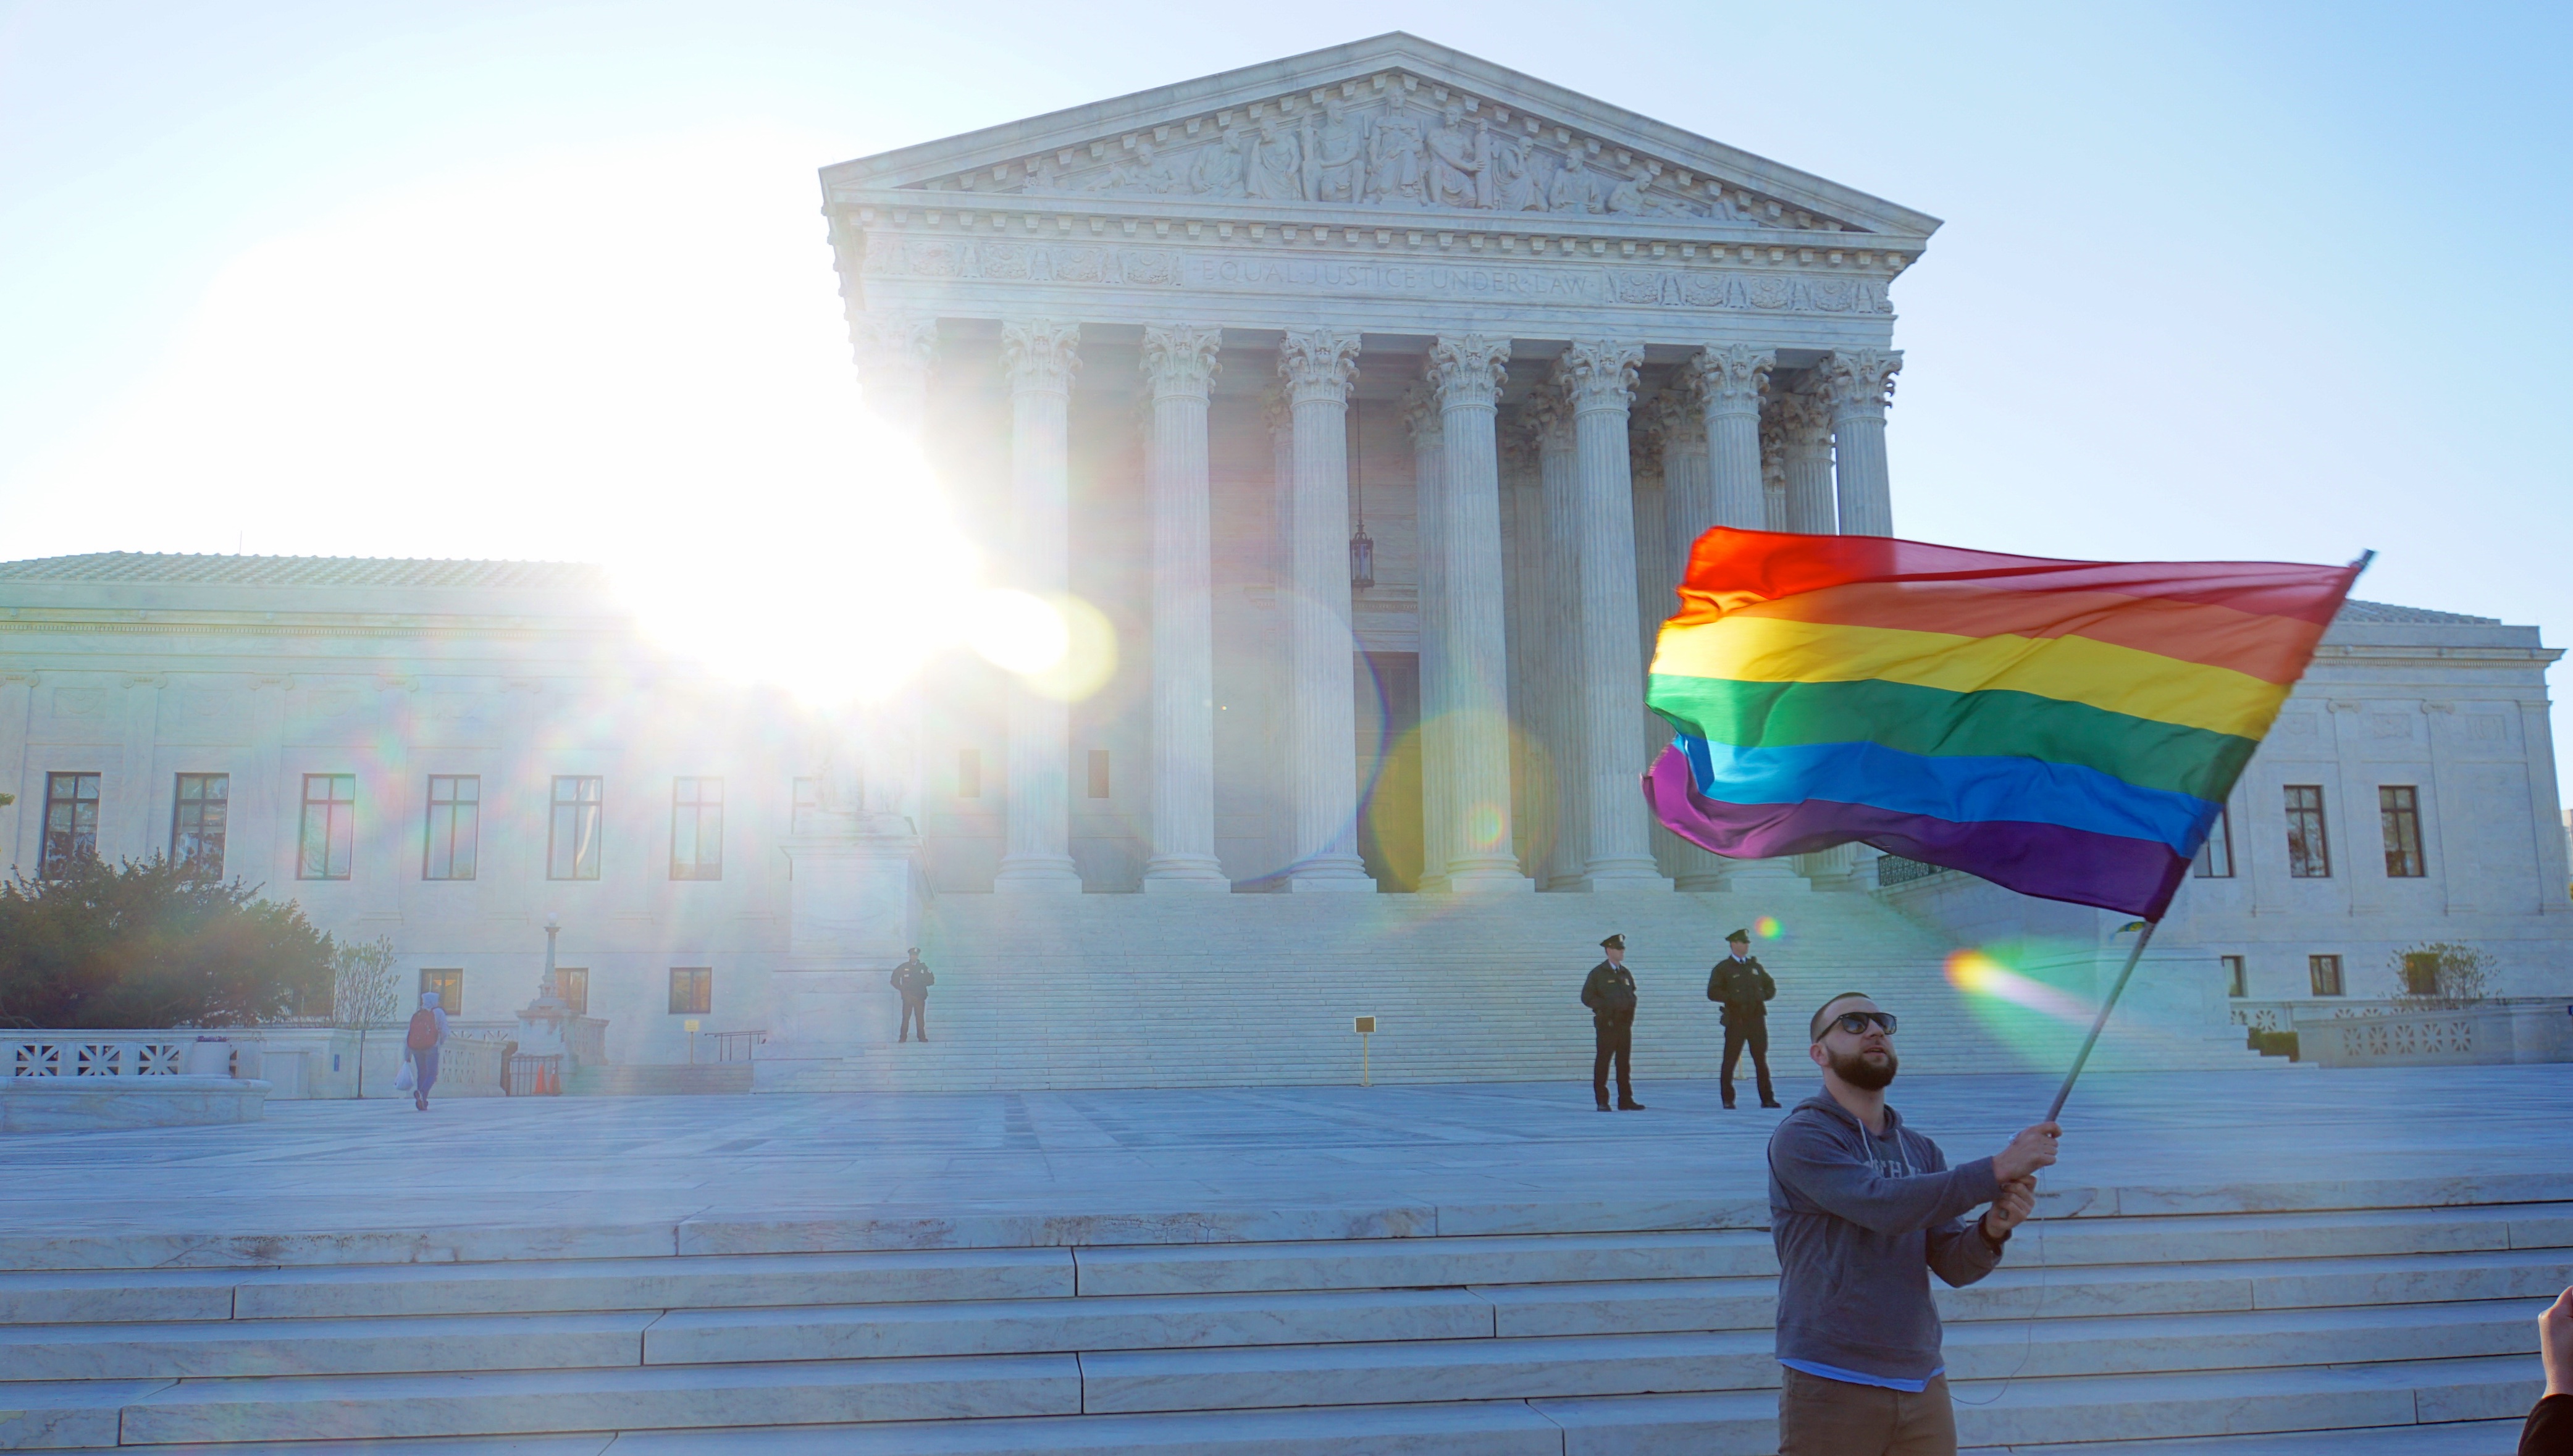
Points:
(1862, 1210)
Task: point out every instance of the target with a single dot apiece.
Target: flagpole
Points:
(2101, 1021)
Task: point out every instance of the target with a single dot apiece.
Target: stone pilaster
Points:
(1597, 378)
(1730, 382)
(894, 353)
(1558, 643)
(1428, 473)
(1037, 357)
(1179, 362)
(1317, 365)
(1858, 384)
(1773, 471)
(1467, 373)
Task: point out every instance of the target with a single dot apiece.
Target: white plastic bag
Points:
(407, 1077)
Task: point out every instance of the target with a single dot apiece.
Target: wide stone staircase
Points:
(1097, 990)
(2372, 1331)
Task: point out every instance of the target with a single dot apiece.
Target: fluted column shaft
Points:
(1179, 362)
(1858, 384)
(1805, 435)
(1688, 508)
(1429, 516)
(1559, 642)
(1038, 357)
(1598, 378)
(1730, 382)
(1317, 365)
(894, 353)
(1468, 372)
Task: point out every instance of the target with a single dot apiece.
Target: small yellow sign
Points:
(1364, 1025)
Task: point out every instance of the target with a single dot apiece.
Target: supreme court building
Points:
(1369, 399)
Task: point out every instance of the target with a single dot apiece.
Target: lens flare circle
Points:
(1767, 928)
(1018, 630)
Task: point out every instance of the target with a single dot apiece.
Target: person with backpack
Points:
(419, 1044)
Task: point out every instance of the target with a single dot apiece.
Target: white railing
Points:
(96, 1053)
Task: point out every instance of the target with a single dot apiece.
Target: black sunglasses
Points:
(1856, 1022)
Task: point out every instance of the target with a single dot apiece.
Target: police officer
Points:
(1741, 984)
(913, 979)
(1610, 994)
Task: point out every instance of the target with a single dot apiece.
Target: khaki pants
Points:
(1819, 1417)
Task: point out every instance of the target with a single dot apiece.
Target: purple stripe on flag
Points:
(2133, 876)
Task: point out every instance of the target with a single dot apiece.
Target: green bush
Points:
(146, 942)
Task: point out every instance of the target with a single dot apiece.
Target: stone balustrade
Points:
(2333, 1031)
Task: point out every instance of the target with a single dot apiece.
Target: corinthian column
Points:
(1421, 415)
(1804, 432)
(1039, 356)
(1559, 639)
(1317, 365)
(1179, 361)
(1858, 384)
(1599, 379)
(1688, 508)
(1730, 382)
(1468, 372)
(893, 352)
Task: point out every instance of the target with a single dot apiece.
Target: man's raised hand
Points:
(2018, 1200)
(2032, 1149)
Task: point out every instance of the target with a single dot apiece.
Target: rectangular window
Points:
(455, 824)
(571, 853)
(2398, 806)
(2237, 976)
(449, 986)
(329, 835)
(197, 814)
(2325, 970)
(573, 984)
(1099, 773)
(692, 990)
(71, 823)
(696, 828)
(2216, 857)
(2420, 973)
(969, 773)
(2308, 848)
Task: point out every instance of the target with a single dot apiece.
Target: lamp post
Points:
(547, 991)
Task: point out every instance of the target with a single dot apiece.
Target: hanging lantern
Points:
(1361, 558)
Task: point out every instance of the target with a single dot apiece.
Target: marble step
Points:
(345, 1407)
(535, 1286)
(2301, 1234)
(2018, 1292)
(1619, 1364)
(2352, 1404)
(1109, 1322)
(1393, 1263)
(251, 1347)
(2447, 1438)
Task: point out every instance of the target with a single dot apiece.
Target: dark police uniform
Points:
(1610, 994)
(1743, 989)
(913, 979)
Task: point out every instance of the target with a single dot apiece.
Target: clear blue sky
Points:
(2279, 280)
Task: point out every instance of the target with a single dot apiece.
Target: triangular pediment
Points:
(1388, 126)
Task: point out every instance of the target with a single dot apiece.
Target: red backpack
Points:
(424, 1031)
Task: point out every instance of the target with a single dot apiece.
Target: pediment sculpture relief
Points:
(1395, 145)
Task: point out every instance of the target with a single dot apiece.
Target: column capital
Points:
(1276, 414)
(1667, 418)
(1731, 378)
(893, 351)
(1468, 370)
(1858, 382)
(1792, 417)
(1039, 354)
(1180, 359)
(1598, 374)
(1318, 364)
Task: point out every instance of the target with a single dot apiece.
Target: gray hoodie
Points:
(1860, 1223)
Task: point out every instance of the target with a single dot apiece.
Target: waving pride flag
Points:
(2067, 729)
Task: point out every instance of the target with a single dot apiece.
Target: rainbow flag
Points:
(2068, 729)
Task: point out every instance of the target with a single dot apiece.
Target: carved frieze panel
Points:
(1249, 268)
(1390, 141)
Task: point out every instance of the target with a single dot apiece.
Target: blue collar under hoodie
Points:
(1860, 1222)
